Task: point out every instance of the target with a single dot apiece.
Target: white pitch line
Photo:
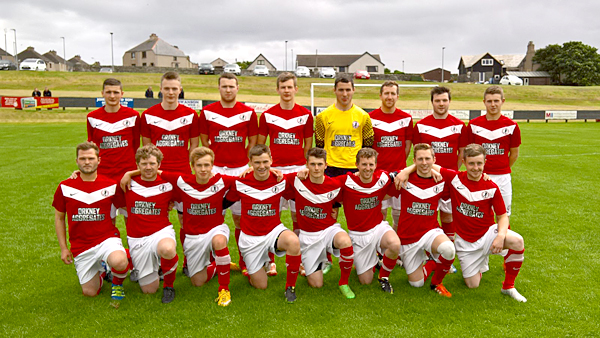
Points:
(559, 155)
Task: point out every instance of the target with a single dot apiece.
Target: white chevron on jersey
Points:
(150, 191)
(260, 195)
(383, 179)
(390, 127)
(227, 122)
(424, 193)
(439, 133)
(493, 134)
(112, 127)
(199, 195)
(286, 124)
(312, 197)
(88, 198)
(472, 196)
(169, 125)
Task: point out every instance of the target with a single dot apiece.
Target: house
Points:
(344, 63)
(30, 53)
(55, 62)
(76, 64)
(436, 75)
(483, 67)
(219, 64)
(261, 60)
(4, 55)
(156, 52)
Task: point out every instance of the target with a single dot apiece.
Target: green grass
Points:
(555, 208)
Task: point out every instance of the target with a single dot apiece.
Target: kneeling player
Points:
(361, 196)
(419, 230)
(150, 234)
(262, 231)
(88, 201)
(319, 232)
(474, 202)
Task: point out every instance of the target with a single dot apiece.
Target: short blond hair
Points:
(366, 153)
(473, 150)
(146, 151)
(200, 152)
(494, 90)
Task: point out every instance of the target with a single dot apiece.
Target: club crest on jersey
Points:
(354, 124)
(104, 193)
(485, 194)
(381, 183)
(183, 121)
(505, 131)
(162, 187)
(455, 129)
(275, 189)
(330, 195)
(214, 188)
(436, 189)
(126, 123)
(243, 117)
(300, 120)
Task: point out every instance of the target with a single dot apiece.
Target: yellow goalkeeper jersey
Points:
(342, 134)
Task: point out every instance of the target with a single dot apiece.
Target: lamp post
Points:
(293, 65)
(5, 43)
(285, 64)
(64, 52)
(112, 55)
(16, 54)
(443, 64)
(402, 66)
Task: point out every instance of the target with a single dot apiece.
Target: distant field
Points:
(555, 208)
(261, 89)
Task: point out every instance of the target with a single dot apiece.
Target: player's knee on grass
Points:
(446, 249)
(150, 288)
(315, 280)
(259, 279)
(219, 242)
(418, 283)
(199, 278)
(366, 277)
(90, 289)
(167, 248)
(473, 282)
(118, 260)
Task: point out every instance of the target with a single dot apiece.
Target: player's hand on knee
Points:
(497, 244)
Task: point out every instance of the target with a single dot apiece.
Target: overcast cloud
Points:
(413, 31)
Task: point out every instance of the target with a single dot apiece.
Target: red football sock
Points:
(441, 269)
(101, 282)
(329, 257)
(428, 269)
(237, 241)
(118, 276)
(169, 266)
(211, 270)
(223, 259)
(130, 266)
(346, 260)
(387, 266)
(449, 229)
(271, 257)
(293, 265)
(513, 262)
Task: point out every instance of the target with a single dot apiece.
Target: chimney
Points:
(153, 36)
(528, 66)
(176, 47)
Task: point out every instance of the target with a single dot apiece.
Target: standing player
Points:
(319, 232)
(224, 128)
(370, 233)
(150, 234)
(393, 131)
(478, 235)
(501, 138)
(88, 201)
(171, 127)
(419, 230)
(116, 131)
(447, 136)
(262, 232)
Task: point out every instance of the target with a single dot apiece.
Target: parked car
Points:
(362, 74)
(33, 64)
(327, 72)
(233, 68)
(106, 70)
(261, 70)
(206, 68)
(7, 65)
(302, 71)
(511, 80)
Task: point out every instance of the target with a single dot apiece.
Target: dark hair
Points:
(343, 78)
(317, 153)
(286, 76)
(112, 82)
(440, 90)
(229, 76)
(366, 153)
(87, 146)
(258, 150)
(147, 151)
(473, 150)
(170, 76)
(389, 83)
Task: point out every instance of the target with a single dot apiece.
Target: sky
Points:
(409, 34)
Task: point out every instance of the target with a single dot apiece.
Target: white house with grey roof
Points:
(156, 52)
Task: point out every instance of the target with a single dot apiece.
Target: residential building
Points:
(219, 64)
(54, 62)
(261, 60)
(344, 63)
(76, 64)
(436, 75)
(155, 52)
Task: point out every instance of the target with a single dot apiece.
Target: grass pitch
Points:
(555, 208)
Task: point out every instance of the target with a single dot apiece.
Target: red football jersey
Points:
(497, 137)
(391, 133)
(314, 202)
(171, 131)
(88, 206)
(227, 130)
(445, 136)
(147, 206)
(287, 130)
(473, 204)
(202, 203)
(419, 202)
(362, 201)
(118, 137)
(260, 203)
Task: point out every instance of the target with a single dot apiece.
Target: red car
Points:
(362, 74)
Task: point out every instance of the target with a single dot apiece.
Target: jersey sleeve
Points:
(119, 198)
(203, 124)
(145, 128)
(137, 132)
(416, 136)
(391, 190)
(410, 131)
(320, 131)
(469, 133)
(515, 140)
(253, 126)
(308, 127)
(195, 130)
(170, 177)
(59, 202)
(463, 139)
(263, 128)
(289, 186)
(448, 174)
(232, 194)
(90, 130)
(498, 203)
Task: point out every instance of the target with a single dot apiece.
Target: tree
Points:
(244, 64)
(398, 72)
(573, 63)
